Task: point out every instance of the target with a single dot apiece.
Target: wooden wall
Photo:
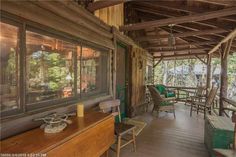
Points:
(113, 16)
(139, 62)
(65, 16)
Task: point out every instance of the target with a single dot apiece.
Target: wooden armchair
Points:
(121, 129)
(228, 152)
(204, 105)
(198, 95)
(160, 103)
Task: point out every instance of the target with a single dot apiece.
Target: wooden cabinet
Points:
(90, 136)
(219, 133)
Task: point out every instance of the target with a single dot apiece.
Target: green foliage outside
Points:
(49, 70)
(11, 66)
(162, 73)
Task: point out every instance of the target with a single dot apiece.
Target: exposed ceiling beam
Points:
(179, 20)
(179, 50)
(204, 62)
(152, 46)
(162, 14)
(192, 39)
(229, 36)
(149, 14)
(103, 4)
(185, 8)
(220, 2)
(183, 34)
(180, 55)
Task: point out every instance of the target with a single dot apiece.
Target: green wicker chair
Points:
(164, 91)
(161, 104)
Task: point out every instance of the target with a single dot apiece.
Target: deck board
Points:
(169, 137)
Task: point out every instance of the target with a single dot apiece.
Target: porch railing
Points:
(229, 105)
(182, 92)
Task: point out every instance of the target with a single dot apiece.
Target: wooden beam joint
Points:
(159, 61)
(201, 59)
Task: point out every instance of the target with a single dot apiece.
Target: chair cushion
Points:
(170, 94)
(161, 88)
(166, 103)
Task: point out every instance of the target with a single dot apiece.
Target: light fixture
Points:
(171, 39)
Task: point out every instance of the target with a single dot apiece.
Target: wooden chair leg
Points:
(204, 113)
(118, 146)
(191, 110)
(185, 102)
(174, 113)
(134, 141)
(197, 109)
(153, 108)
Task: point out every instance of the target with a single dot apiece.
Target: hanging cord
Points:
(171, 37)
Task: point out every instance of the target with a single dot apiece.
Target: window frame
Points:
(20, 34)
(25, 109)
(57, 102)
(84, 96)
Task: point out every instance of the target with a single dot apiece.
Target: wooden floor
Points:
(169, 137)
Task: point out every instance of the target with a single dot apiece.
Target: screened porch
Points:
(119, 78)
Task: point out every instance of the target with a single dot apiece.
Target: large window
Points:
(9, 63)
(93, 71)
(50, 72)
(41, 69)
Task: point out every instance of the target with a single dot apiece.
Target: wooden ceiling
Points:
(184, 28)
(196, 26)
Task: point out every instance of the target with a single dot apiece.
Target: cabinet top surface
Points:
(222, 123)
(36, 141)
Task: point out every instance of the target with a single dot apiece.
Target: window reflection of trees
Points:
(50, 69)
(9, 62)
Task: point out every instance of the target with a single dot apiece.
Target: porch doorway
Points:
(122, 78)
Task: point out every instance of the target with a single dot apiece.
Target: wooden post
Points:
(153, 70)
(114, 63)
(208, 80)
(224, 78)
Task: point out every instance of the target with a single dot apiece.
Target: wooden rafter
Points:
(180, 50)
(183, 34)
(228, 47)
(201, 59)
(220, 2)
(158, 62)
(186, 9)
(155, 9)
(194, 26)
(229, 36)
(103, 4)
(154, 46)
(179, 20)
(181, 55)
